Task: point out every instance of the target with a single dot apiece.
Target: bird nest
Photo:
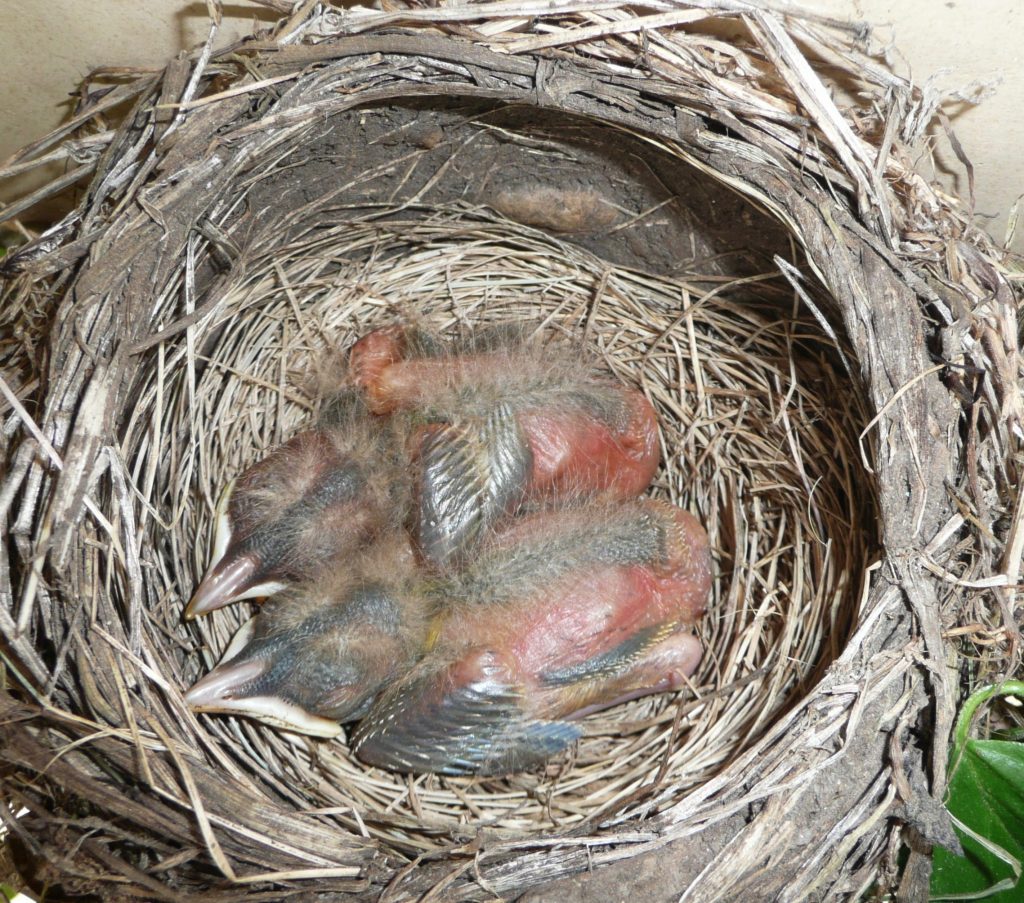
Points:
(830, 346)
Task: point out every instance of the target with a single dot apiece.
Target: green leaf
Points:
(986, 800)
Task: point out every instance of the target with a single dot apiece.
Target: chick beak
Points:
(222, 691)
(228, 580)
(224, 578)
(218, 690)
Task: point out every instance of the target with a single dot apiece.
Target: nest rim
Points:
(885, 392)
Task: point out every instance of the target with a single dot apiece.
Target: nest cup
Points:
(749, 287)
(752, 444)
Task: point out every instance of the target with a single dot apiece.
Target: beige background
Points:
(46, 46)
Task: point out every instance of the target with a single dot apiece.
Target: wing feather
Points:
(466, 718)
(473, 471)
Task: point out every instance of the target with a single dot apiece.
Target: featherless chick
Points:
(499, 419)
(321, 496)
(318, 653)
(561, 614)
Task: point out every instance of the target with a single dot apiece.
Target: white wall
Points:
(959, 42)
(46, 46)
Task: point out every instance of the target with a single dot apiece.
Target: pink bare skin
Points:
(510, 425)
(512, 668)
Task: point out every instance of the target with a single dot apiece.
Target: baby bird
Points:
(317, 654)
(499, 420)
(321, 496)
(561, 615)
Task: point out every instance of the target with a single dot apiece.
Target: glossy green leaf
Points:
(986, 800)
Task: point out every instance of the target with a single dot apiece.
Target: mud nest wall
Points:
(831, 346)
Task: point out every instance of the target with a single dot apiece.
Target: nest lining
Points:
(744, 383)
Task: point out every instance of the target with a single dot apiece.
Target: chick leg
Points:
(663, 667)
